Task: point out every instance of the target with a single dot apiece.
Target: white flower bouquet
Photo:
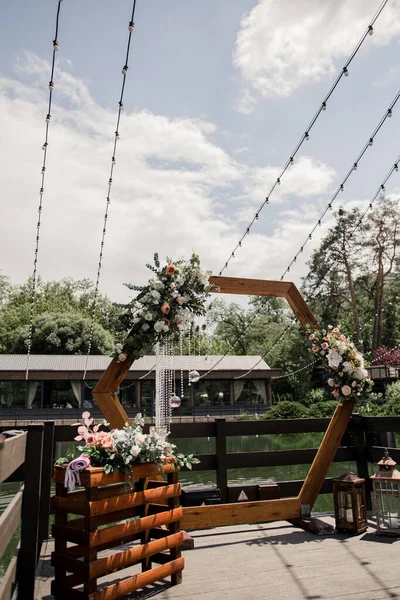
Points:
(348, 377)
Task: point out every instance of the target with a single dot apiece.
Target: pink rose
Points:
(312, 337)
(335, 393)
(324, 346)
(122, 357)
(342, 337)
(331, 382)
(315, 348)
(165, 308)
(354, 384)
(335, 330)
(91, 440)
(346, 390)
(107, 442)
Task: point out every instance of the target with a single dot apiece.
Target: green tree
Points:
(63, 333)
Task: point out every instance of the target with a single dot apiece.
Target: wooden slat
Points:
(239, 460)
(95, 476)
(77, 504)
(326, 453)
(203, 517)
(275, 426)
(300, 308)
(132, 527)
(132, 556)
(121, 515)
(131, 584)
(7, 583)
(9, 521)
(381, 424)
(250, 287)
(193, 430)
(105, 393)
(12, 455)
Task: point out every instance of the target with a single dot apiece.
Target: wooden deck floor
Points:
(275, 561)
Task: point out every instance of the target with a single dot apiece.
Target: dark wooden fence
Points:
(364, 442)
(26, 457)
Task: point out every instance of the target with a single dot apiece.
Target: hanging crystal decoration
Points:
(175, 401)
(194, 376)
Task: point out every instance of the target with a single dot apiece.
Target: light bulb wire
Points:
(303, 138)
(108, 200)
(33, 290)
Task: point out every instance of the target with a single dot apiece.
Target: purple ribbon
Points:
(72, 477)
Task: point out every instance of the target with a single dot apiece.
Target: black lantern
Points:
(386, 490)
(350, 503)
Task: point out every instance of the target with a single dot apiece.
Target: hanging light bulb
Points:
(319, 222)
(48, 117)
(396, 167)
(240, 244)
(330, 206)
(110, 181)
(382, 187)
(266, 200)
(131, 26)
(307, 137)
(124, 69)
(310, 236)
(324, 106)
(113, 160)
(248, 230)
(341, 187)
(44, 146)
(256, 217)
(355, 167)
(301, 249)
(121, 106)
(291, 161)
(370, 30)
(55, 45)
(43, 170)
(233, 255)
(51, 85)
(389, 113)
(371, 141)
(117, 135)
(345, 72)
(278, 181)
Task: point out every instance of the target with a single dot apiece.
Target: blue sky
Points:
(217, 95)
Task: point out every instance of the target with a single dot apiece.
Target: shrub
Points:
(393, 392)
(317, 395)
(322, 409)
(287, 397)
(392, 408)
(287, 410)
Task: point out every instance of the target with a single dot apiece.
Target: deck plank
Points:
(279, 561)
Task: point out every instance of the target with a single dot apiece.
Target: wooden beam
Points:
(239, 513)
(105, 393)
(12, 455)
(300, 307)
(326, 453)
(9, 521)
(250, 287)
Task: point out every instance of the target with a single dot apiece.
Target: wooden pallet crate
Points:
(111, 511)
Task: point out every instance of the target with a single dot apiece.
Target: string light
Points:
(351, 170)
(41, 192)
(110, 180)
(321, 108)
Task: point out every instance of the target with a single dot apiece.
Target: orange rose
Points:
(171, 269)
(165, 308)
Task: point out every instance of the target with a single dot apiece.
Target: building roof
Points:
(14, 365)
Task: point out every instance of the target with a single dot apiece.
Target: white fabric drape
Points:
(259, 384)
(32, 388)
(238, 387)
(77, 389)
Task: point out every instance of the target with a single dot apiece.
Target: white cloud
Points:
(169, 192)
(283, 45)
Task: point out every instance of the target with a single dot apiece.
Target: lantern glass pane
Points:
(388, 504)
(341, 505)
(359, 501)
(349, 509)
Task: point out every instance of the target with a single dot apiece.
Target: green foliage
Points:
(63, 333)
(392, 393)
(287, 410)
(317, 395)
(322, 409)
(53, 298)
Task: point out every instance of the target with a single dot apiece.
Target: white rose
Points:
(165, 328)
(135, 450)
(180, 300)
(119, 347)
(341, 346)
(334, 358)
(148, 316)
(145, 326)
(360, 373)
(158, 326)
(155, 295)
(347, 367)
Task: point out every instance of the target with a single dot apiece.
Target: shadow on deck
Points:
(274, 561)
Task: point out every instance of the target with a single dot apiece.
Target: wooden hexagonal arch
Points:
(249, 512)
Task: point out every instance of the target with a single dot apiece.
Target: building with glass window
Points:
(56, 381)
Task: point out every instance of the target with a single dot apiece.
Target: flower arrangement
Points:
(176, 292)
(120, 449)
(348, 376)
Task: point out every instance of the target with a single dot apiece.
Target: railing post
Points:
(220, 450)
(45, 488)
(28, 553)
(356, 426)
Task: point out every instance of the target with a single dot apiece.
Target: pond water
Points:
(235, 444)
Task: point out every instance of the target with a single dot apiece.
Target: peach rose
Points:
(165, 308)
(335, 393)
(315, 348)
(335, 330)
(171, 269)
(107, 442)
(324, 346)
(90, 440)
(311, 337)
(346, 390)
